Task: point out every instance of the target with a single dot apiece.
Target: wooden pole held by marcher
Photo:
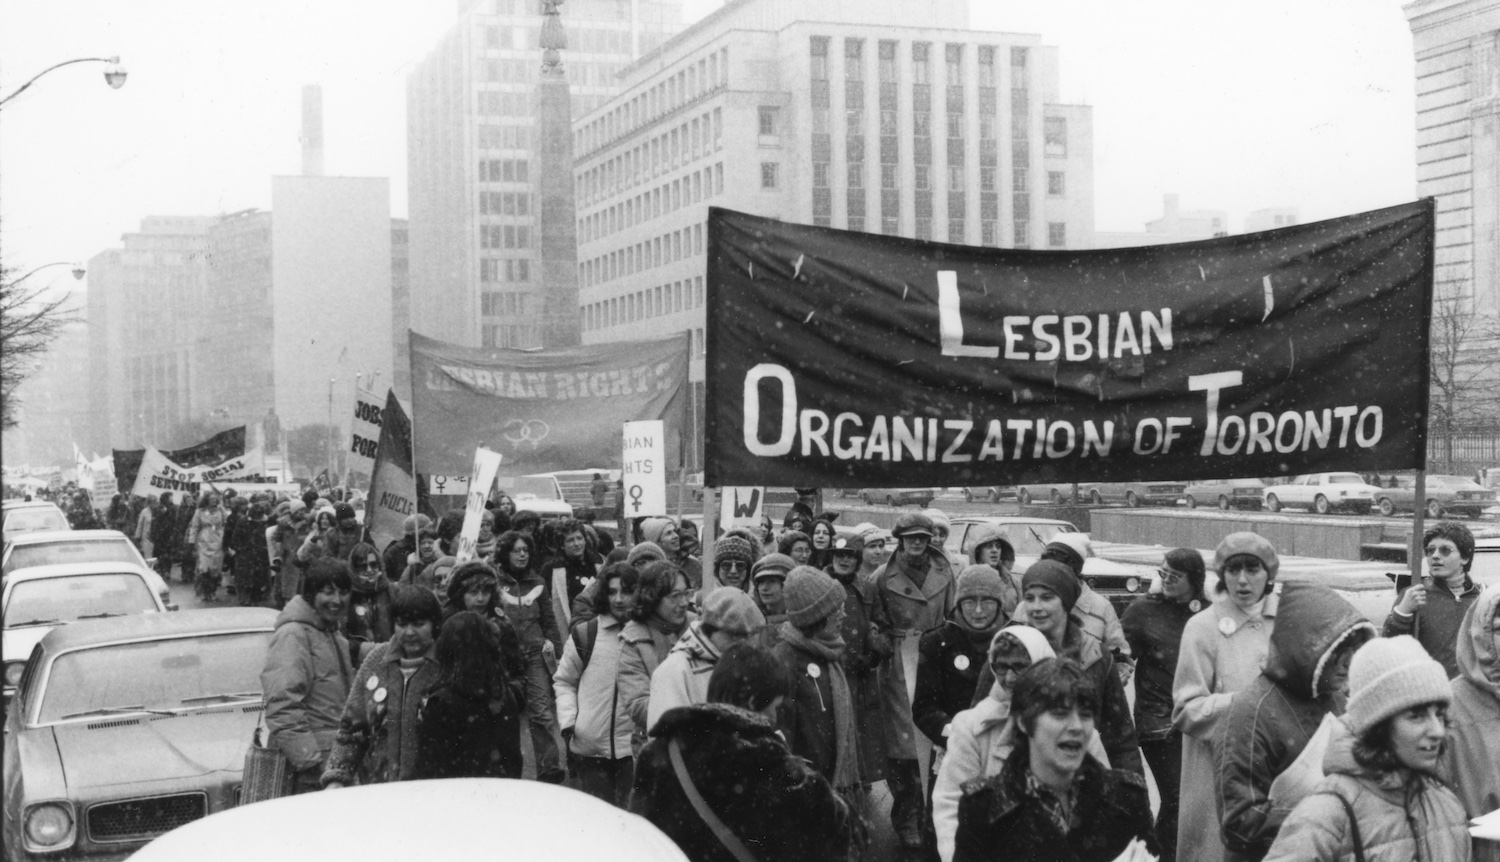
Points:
(710, 537)
(1414, 552)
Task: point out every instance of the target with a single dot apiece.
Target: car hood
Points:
(137, 749)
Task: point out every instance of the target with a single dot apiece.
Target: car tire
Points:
(1434, 508)
(1191, 503)
(1023, 497)
(1321, 505)
(1387, 506)
(1224, 504)
(1272, 504)
(1132, 500)
(968, 496)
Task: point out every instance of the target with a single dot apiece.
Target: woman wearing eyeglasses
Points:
(1223, 649)
(659, 618)
(1153, 627)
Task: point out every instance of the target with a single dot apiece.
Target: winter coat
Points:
(1437, 623)
(246, 545)
(286, 539)
(682, 677)
(1472, 759)
(143, 531)
(377, 740)
(867, 646)
(979, 742)
(1403, 815)
(908, 611)
(948, 669)
(1002, 817)
(567, 578)
(1153, 626)
(1269, 722)
(588, 696)
(462, 735)
(205, 533)
(767, 796)
(533, 623)
(1216, 659)
(306, 683)
(643, 646)
(368, 619)
(1098, 618)
(806, 717)
(395, 557)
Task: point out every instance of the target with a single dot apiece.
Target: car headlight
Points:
(13, 671)
(49, 824)
(1133, 584)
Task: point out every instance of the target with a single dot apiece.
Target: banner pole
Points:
(709, 538)
(1414, 552)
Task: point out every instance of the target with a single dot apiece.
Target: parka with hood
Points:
(1403, 816)
(777, 805)
(588, 696)
(682, 677)
(1472, 759)
(306, 682)
(1270, 722)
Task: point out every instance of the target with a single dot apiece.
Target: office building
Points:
(472, 136)
(898, 119)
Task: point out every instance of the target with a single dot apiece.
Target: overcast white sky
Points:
(1232, 105)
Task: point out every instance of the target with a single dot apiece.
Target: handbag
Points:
(268, 774)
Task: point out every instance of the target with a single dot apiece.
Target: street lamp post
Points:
(114, 75)
(78, 270)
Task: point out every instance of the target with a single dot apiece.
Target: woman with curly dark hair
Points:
(469, 726)
(659, 618)
(526, 602)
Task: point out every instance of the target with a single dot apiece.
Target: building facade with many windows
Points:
(897, 120)
(472, 134)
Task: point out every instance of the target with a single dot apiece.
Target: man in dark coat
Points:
(1306, 677)
(397, 553)
(245, 545)
(166, 537)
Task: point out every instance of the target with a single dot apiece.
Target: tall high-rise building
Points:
(884, 116)
(472, 138)
(51, 406)
(1457, 45)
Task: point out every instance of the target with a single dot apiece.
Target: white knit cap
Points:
(1390, 675)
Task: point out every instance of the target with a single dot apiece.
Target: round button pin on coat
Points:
(372, 683)
(1227, 626)
(814, 671)
(380, 695)
(961, 662)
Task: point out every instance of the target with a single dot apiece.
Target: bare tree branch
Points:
(28, 325)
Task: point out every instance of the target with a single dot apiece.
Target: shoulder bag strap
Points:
(1359, 844)
(731, 842)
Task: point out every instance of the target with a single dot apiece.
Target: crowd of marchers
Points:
(749, 712)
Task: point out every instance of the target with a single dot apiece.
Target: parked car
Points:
(49, 547)
(540, 493)
(920, 497)
(1056, 493)
(1457, 494)
(28, 516)
(1225, 493)
(1323, 493)
(38, 599)
(988, 493)
(1133, 494)
(123, 729)
(1121, 583)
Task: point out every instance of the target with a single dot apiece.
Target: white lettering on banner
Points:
(1069, 338)
(644, 475)
(555, 386)
(849, 436)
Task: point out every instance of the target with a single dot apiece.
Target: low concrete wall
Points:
(1329, 537)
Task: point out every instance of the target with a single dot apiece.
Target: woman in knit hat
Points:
(664, 532)
(951, 658)
(818, 720)
(729, 617)
(1153, 626)
(1093, 610)
(865, 648)
(1381, 800)
(877, 549)
(733, 557)
(1049, 591)
(1223, 649)
(767, 579)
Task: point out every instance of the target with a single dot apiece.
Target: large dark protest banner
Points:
(544, 410)
(844, 359)
(215, 450)
(393, 481)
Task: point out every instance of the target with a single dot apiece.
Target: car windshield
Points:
(1027, 539)
(75, 597)
(542, 486)
(35, 520)
(114, 550)
(156, 674)
(1451, 481)
(1344, 479)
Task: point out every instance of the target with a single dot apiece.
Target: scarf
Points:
(829, 646)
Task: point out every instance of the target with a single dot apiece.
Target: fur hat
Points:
(1055, 576)
(980, 582)
(644, 552)
(733, 548)
(1246, 543)
(1389, 676)
(732, 610)
(810, 596)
